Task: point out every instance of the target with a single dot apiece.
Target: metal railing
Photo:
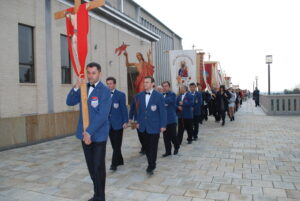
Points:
(280, 104)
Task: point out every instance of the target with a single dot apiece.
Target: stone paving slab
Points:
(254, 158)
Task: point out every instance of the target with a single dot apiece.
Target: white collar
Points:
(96, 83)
(150, 91)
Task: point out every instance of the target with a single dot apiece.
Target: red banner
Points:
(208, 67)
(81, 33)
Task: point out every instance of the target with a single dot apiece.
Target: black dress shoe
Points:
(189, 142)
(150, 171)
(92, 199)
(223, 123)
(175, 151)
(166, 154)
(142, 152)
(113, 168)
(195, 138)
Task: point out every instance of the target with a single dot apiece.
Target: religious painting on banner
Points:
(143, 67)
(228, 82)
(211, 75)
(182, 68)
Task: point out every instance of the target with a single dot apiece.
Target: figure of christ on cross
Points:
(144, 69)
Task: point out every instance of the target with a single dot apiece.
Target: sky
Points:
(239, 34)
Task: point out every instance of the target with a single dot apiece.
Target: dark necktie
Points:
(111, 93)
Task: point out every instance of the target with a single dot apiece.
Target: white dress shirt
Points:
(183, 95)
(112, 93)
(91, 89)
(147, 97)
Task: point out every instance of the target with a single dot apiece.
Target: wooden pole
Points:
(84, 106)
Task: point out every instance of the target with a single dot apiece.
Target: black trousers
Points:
(185, 124)
(170, 135)
(95, 160)
(220, 115)
(141, 139)
(151, 145)
(116, 137)
(196, 122)
(204, 112)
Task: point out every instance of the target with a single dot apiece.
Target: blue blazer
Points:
(197, 103)
(170, 103)
(188, 102)
(118, 112)
(153, 117)
(99, 103)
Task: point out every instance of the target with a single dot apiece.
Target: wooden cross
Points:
(91, 5)
(83, 87)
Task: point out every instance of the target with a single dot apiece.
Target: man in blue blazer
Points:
(170, 135)
(118, 119)
(151, 116)
(95, 137)
(185, 102)
(132, 119)
(196, 109)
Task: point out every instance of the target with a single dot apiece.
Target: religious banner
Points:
(182, 67)
(227, 82)
(143, 67)
(211, 75)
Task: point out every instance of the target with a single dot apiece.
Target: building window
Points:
(65, 60)
(26, 54)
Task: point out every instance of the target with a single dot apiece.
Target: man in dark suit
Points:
(196, 109)
(185, 102)
(95, 137)
(118, 118)
(256, 97)
(170, 135)
(151, 119)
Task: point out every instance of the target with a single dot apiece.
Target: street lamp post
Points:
(269, 60)
(256, 78)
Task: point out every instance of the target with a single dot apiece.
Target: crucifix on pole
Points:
(77, 29)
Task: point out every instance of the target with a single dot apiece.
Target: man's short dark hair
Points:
(192, 84)
(151, 78)
(186, 87)
(166, 82)
(94, 64)
(111, 78)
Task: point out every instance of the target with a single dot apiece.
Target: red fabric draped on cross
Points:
(82, 31)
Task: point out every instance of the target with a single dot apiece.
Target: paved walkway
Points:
(254, 158)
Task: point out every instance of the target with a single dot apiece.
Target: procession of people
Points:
(155, 109)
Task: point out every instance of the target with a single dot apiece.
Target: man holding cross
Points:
(95, 137)
(94, 97)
